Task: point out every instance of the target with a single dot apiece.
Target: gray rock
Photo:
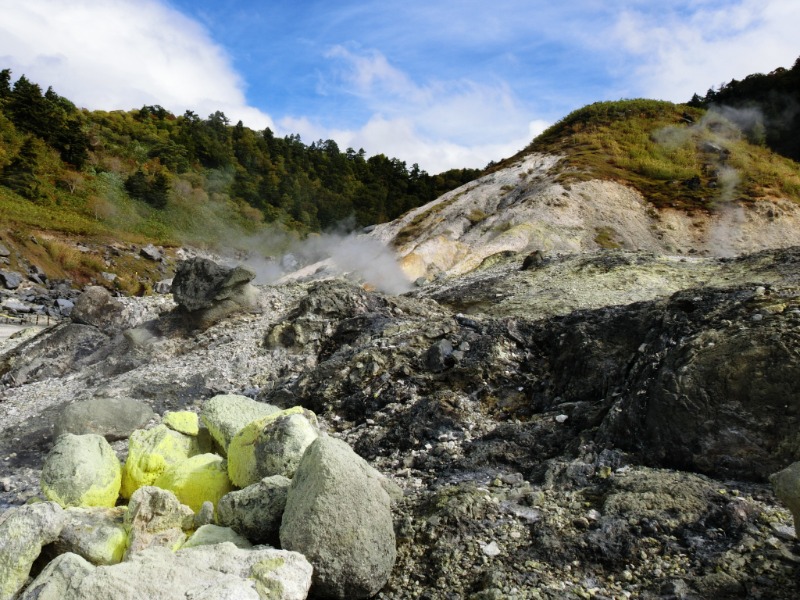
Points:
(209, 535)
(82, 470)
(271, 445)
(4, 251)
(150, 252)
(163, 287)
(10, 280)
(338, 516)
(96, 307)
(156, 518)
(64, 306)
(113, 418)
(110, 277)
(786, 484)
(200, 283)
(96, 534)
(227, 414)
(439, 356)
(221, 571)
(256, 511)
(17, 306)
(23, 532)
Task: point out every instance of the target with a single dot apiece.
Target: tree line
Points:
(47, 145)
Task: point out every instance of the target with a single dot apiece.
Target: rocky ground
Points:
(588, 426)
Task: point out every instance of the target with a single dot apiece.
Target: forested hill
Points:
(157, 173)
(773, 102)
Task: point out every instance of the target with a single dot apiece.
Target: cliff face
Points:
(523, 208)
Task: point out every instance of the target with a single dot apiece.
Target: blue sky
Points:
(441, 83)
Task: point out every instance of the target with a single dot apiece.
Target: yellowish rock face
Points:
(196, 480)
(82, 470)
(150, 453)
(248, 449)
(184, 421)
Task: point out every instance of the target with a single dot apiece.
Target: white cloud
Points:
(440, 124)
(122, 54)
(680, 53)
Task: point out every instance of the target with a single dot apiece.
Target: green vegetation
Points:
(676, 155)
(765, 106)
(171, 179)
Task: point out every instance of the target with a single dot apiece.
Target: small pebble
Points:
(491, 549)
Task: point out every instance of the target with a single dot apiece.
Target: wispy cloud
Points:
(676, 51)
(120, 54)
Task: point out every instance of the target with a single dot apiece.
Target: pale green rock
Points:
(339, 517)
(60, 579)
(786, 484)
(226, 414)
(271, 445)
(156, 518)
(197, 479)
(81, 470)
(96, 534)
(221, 571)
(182, 421)
(256, 510)
(23, 532)
(208, 535)
(150, 452)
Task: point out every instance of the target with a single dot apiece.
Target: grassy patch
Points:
(677, 156)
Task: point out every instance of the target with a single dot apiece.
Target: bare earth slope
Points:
(522, 209)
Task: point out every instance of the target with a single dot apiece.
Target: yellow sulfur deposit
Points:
(150, 453)
(196, 480)
(184, 421)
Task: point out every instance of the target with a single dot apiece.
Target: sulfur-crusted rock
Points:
(226, 414)
(272, 445)
(208, 535)
(150, 452)
(113, 418)
(338, 516)
(256, 511)
(155, 517)
(198, 479)
(786, 484)
(23, 532)
(97, 534)
(182, 421)
(221, 571)
(82, 470)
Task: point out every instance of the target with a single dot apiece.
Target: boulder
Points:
(163, 287)
(81, 470)
(98, 308)
(150, 452)
(113, 418)
(226, 414)
(338, 516)
(10, 280)
(182, 421)
(155, 517)
(201, 478)
(96, 534)
(64, 306)
(786, 484)
(150, 252)
(256, 511)
(222, 571)
(200, 283)
(271, 445)
(208, 535)
(23, 532)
